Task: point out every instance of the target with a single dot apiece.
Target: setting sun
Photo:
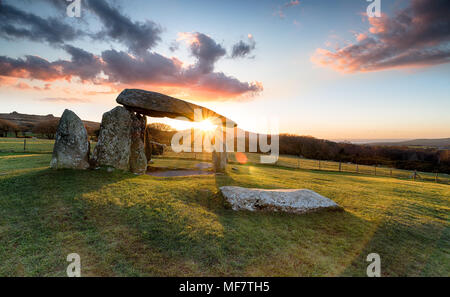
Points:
(205, 125)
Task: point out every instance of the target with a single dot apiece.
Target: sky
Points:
(319, 68)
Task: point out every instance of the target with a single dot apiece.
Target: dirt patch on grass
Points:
(182, 172)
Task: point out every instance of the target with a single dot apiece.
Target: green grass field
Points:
(127, 225)
(39, 146)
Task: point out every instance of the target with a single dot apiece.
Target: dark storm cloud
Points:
(122, 68)
(206, 50)
(152, 68)
(147, 68)
(15, 23)
(174, 46)
(417, 36)
(30, 67)
(83, 65)
(119, 68)
(138, 36)
(221, 83)
(60, 4)
(243, 49)
(201, 74)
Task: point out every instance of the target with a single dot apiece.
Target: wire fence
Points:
(309, 164)
(29, 145)
(26, 145)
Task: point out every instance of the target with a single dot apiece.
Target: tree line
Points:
(9, 127)
(402, 157)
(46, 129)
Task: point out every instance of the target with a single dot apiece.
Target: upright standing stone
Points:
(121, 141)
(138, 159)
(114, 141)
(148, 144)
(71, 149)
(219, 160)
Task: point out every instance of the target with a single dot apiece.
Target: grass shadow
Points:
(45, 219)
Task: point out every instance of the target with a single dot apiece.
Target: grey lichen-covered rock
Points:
(114, 141)
(138, 158)
(71, 148)
(219, 160)
(147, 143)
(121, 141)
(159, 105)
(293, 200)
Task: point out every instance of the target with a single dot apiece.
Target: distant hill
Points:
(442, 143)
(30, 120)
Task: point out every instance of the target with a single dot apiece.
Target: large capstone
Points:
(71, 148)
(159, 105)
(121, 141)
(292, 200)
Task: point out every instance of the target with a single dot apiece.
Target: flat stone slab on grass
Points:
(203, 165)
(286, 200)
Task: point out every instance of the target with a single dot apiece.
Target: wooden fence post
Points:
(390, 174)
(298, 162)
(340, 166)
(436, 177)
(357, 168)
(319, 164)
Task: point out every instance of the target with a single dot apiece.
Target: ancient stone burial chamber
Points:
(124, 142)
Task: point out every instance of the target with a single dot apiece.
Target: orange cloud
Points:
(417, 36)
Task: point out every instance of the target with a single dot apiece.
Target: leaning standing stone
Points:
(71, 149)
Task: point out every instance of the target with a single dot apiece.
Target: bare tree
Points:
(46, 128)
(161, 127)
(8, 126)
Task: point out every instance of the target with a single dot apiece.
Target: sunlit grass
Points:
(37, 146)
(127, 225)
